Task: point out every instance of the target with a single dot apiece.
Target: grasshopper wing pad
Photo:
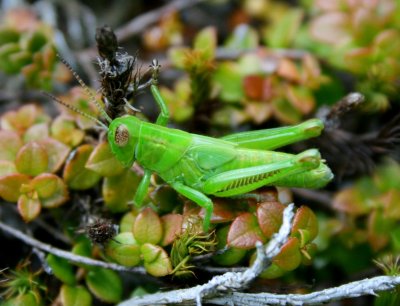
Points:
(210, 157)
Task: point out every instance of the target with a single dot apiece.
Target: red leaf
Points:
(245, 232)
(172, 226)
(269, 215)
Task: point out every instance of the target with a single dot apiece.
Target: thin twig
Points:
(229, 281)
(65, 254)
(355, 289)
(138, 24)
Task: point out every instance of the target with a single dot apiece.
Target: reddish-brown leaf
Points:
(269, 215)
(289, 257)
(253, 87)
(305, 221)
(172, 226)
(245, 232)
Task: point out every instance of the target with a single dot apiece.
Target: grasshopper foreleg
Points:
(142, 189)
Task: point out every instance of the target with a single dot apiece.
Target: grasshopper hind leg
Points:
(240, 181)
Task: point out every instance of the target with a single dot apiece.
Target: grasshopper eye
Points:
(121, 136)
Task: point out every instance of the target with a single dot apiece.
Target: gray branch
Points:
(369, 286)
(65, 254)
(138, 24)
(228, 282)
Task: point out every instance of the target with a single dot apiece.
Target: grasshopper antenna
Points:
(73, 108)
(86, 88)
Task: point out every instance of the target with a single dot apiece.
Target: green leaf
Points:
(147, 227)
(269, 215)
(232, 255)
(8, 35)
(124, 249)
(10, 143)
(7, 167)
(127, 222)
(6, 64)
(119, 190)
(32, 159)
(37, 132)
(156, 260)
(205, 42)
(64, 129)
(177, 56)
(245, 232)
(75, 296)
(57, 153)
(351, 201)
(171, 227)
(75, 174)
(29, 206)
(273, 271)
(289, 257)
(105, 284)
(51, 190)
(103, 161)
(10, 186)
(228, 79)
(283, 31)
(61, 269)
(243, 38)
(83, 248)
(26, 299)
(305, 225)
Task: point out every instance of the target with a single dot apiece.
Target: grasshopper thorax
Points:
(123, 136)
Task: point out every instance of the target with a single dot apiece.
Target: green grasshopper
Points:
(198, 166)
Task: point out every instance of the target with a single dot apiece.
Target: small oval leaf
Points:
(57, 153)
(305, 225)
(147, 227)
(75, 174)
(105, 284)
(103, 161)
(51, 190)
(269, 215)
(29, 207)
(245, 232)
(171, 227)
(32, 159)
(10, 143)
(62, 269)
(156, 260)
(289, 258)
(124, 249)
(232, 255)
(10, 186)
(75, 296)
(119, 190)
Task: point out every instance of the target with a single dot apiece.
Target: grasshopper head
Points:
(123, 137)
